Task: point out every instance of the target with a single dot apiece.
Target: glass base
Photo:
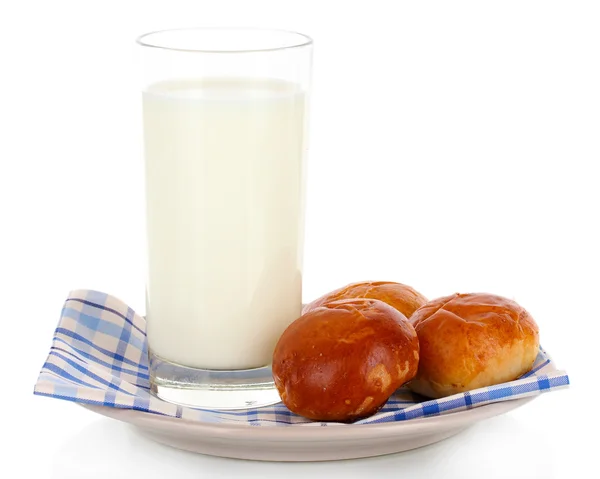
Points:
(211, 389)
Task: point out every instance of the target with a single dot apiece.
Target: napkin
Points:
(99, 356)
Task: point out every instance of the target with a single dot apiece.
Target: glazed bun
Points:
(400, 296)
(342, 361)
(468, 341)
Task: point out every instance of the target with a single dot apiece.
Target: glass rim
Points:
(303, 40)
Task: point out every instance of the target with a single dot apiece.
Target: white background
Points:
(454, 147)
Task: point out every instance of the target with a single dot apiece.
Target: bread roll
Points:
(400, 296)
(342, 361)
(470, 341)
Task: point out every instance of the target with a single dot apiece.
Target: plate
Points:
(304, 443)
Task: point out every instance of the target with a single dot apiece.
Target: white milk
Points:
(224, 161)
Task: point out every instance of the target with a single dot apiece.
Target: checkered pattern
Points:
(99, 356)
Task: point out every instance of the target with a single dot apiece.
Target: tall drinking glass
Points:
(224, 114)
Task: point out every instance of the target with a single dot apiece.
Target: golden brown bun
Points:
(470, 341)
(400, 296)
(342, 361)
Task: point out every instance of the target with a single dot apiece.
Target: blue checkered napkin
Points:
(99, 356)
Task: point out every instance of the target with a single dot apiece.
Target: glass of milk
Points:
(225, 114)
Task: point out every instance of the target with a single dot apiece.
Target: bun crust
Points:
(468, 341)
(342, 361)
(400, 296)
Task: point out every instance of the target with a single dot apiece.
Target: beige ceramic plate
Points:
(304, 443)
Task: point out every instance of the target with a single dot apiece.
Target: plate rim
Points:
(241, 432)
